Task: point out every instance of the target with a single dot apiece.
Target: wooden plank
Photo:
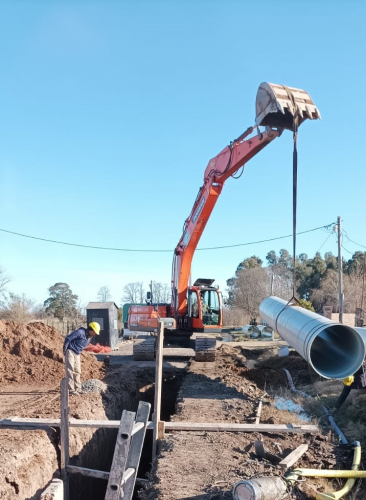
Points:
(224, 427)
(73, 422)
(136, 445)
(73, 469)
(293, 456)
(120, 456)
(64, 435)
(27, 423)
(169, 426)
(158, 385)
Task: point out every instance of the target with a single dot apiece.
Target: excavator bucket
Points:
(276, 105)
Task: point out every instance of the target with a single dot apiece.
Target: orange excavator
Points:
(198, 308)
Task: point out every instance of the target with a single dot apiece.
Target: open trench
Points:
(97, 453)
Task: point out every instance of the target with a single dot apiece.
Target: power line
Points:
(349, 239)
(156, 251)
(327, 238)
(265, 241)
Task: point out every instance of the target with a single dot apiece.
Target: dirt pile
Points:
(300, 369)
(32, 354)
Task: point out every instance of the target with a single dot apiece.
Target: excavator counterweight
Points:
(276, 105)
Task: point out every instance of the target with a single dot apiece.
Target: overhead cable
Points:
(349, 239)
(156, 251)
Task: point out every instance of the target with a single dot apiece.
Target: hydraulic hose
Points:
(353, 474)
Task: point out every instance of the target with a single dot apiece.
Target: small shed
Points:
(106, 314)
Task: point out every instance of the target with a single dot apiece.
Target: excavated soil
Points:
(206, 465)
(190, 465)
(31, 370)
(32, 354)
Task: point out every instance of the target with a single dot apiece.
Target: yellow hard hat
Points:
(348, 380)
(95, 327)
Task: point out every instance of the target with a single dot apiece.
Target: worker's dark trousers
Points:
(344, 395)
(73, 370)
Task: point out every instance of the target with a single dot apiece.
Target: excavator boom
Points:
(276, 108)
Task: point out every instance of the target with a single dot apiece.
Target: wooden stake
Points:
(259, 411)
(158, 384)
(64, 435)
(161, 429)
(293, 456)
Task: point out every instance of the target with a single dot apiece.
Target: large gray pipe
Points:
(333, 350)
(362, 332)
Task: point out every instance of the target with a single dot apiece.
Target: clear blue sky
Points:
(110, 112)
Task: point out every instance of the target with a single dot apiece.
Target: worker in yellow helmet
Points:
(74, 344)
(356, 381)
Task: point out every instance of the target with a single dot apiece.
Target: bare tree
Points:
(328, 293)
(77, 316)
(104, 294)
(248, 289)
(4, 280)
(281, 278)
(140, 292)
(161, 293)
(234, 316)
(133, 293)
(18, 308)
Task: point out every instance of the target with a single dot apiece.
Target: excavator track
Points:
(205, 348)
(144, 350)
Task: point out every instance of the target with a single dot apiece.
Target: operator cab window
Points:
(194, 305)
(210, 307)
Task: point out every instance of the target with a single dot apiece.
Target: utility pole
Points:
(340, 273)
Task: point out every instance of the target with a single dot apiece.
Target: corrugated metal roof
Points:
(101, 305)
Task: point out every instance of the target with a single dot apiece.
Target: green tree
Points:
(285, 259)
(356, 265)
(61, 302)
(306, 304)
(250, 263)
(309, 275)
(331, 261)
(271, 258)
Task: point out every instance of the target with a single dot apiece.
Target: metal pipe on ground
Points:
(261, 488)
(333, 350)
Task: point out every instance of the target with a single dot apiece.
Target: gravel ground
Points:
(94, 385)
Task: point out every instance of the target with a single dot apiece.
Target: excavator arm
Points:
(224, 165)
(276, 108)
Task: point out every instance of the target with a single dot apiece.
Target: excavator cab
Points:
(276, 106)
(204, 307)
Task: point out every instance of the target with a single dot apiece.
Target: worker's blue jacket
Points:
(77, 340)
